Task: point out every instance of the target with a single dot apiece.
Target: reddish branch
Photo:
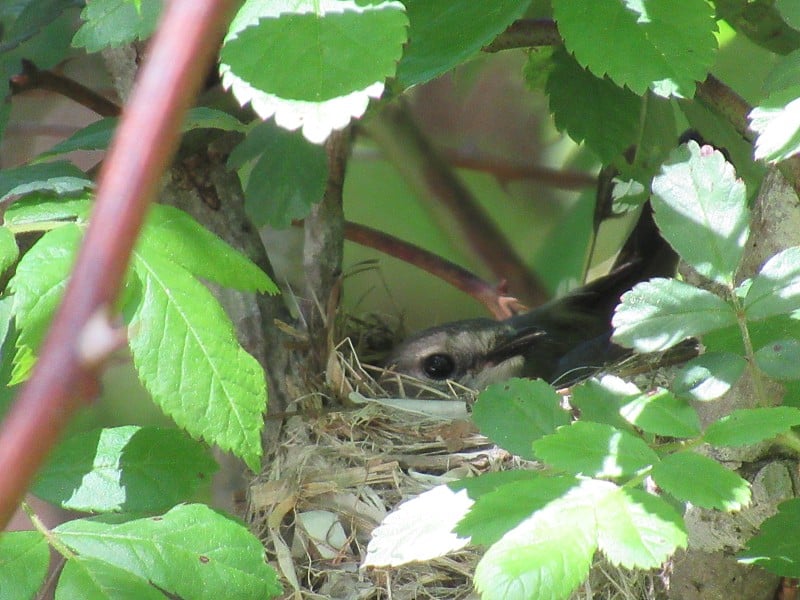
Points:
(500, 305)
(33, 78)
(432, 177)
(181, 50)
(503, 171)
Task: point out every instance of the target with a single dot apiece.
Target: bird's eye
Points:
(438, 366)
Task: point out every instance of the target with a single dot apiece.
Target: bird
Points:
(560, 341)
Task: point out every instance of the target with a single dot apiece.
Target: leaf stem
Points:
(749, 353)
(52, 539)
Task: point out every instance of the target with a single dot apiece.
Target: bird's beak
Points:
(515, 343)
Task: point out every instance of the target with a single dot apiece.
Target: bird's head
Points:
(473, 353)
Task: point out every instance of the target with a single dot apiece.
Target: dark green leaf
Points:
(24, 556)
(780, 359)
(191, 551)
(750, 426)
(600, 401)
(57, 177)
(518, 411)
(488, 482)
(701, 208)
(608, 124)
(109, 23)
(445, 34)
(775, 548)
(594, 450)
(496, 513)
(129, 468)
(657, 314)
(663, 45)
(286, 180)
(702, 481)
(661, 413)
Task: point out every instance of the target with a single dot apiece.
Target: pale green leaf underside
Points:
(188, 358)
(700, 207)
(659, 313)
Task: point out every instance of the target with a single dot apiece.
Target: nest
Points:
(339, 472)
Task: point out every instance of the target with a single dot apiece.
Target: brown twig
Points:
(498, 304)
(526, 33)
(503, 171)
(428, 172)
(32, 78)
(145, 141)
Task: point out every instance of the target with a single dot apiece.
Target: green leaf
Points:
(9, 251)
(775, 547)
(477, 487)
(191, 552)
(608, 124)
(638, 530)
(518, 411)
(37, 208)
(548, 554)
(784, 73)
(661, 413)
(702, 481)
(187, 356)
(776, 288)
(790, 12)
(57, 177)
(750, 426)
(708, 376)
(595, 450)
(110, 23)
(777, 122)
(97, 135)
(498, 512)
(174, 235)
(663, 45)
(601, 401)
(286, 179)
(24, 557)
(445, 34)
(95, 579)
(312, 63)
(780, 359)
(129, 468)
(657, 314)
(37, 286)
(701, 208)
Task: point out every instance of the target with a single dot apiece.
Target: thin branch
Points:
(430, 175)
(526, 33)
(32, 78)
(181, 50)
(556, 178)
(500, 305)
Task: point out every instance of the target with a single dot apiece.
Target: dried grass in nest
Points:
(339, 473)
